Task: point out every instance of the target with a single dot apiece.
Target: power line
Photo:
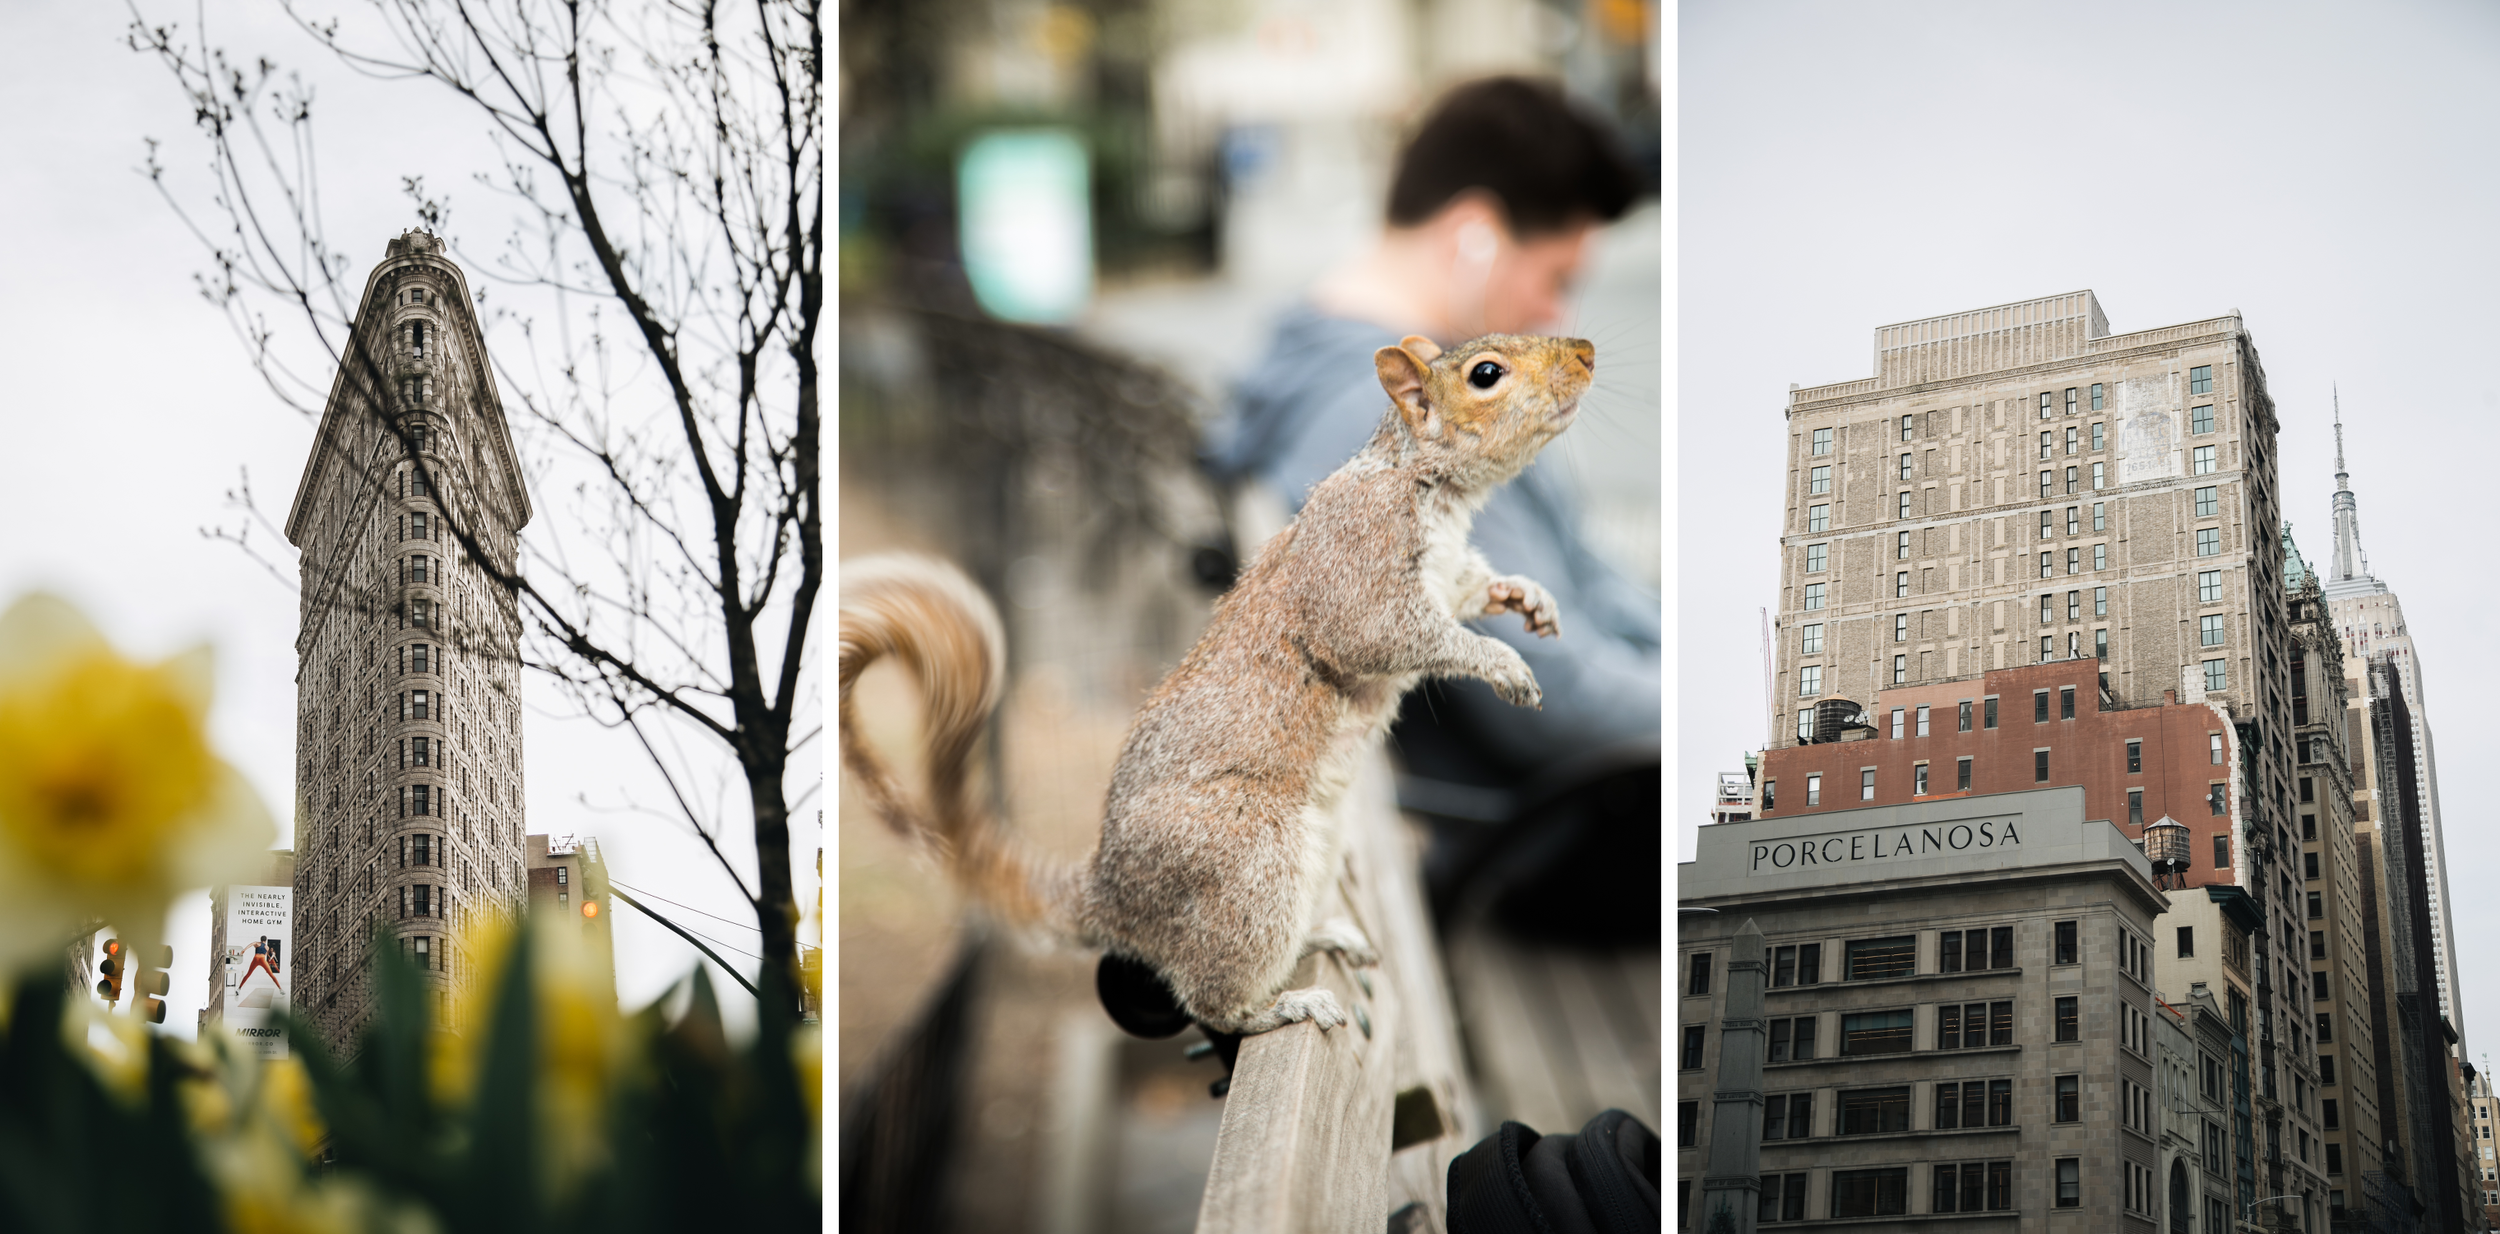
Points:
(653, 895)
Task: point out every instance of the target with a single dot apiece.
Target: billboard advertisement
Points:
(259, 929)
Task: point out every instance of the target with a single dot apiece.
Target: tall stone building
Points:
(2372, 623)
(2016, 486)
(2348, 1022)
(408, 742)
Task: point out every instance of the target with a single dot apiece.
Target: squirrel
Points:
(1218, 838)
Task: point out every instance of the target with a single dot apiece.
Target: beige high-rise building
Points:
(2017, 485)
(408, 743)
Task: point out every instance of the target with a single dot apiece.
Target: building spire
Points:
(2349, 562)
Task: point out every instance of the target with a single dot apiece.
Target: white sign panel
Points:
(2148, 431)
(259, 937)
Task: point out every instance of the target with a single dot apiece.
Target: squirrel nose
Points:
(1587, 353)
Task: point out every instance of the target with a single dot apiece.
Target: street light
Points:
(2250, 1212)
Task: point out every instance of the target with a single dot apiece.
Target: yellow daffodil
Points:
(584, 1044)
(111, 802)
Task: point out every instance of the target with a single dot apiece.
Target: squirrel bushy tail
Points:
(927, 615)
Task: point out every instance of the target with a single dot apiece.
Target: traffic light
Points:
(155, 982)
(114, 964)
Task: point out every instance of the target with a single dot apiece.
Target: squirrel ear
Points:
(1402, 375)
(1421, 348)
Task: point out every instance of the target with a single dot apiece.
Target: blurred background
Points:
(1066, 230)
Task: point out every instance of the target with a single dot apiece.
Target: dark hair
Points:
(1547, 162)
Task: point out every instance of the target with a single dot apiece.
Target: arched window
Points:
(2182, 1215)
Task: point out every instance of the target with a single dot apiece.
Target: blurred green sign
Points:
(1028, 239)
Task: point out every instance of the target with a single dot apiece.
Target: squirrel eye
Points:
(1484, 375)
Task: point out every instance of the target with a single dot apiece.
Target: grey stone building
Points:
(1957, 1017)
(408, 779)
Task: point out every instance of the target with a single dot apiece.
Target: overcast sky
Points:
(131, 411)
(2328, 170)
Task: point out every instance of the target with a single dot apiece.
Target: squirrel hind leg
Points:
(1345, 939)
(1315, 1004)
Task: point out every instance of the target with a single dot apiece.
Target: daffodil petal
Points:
(39, 632)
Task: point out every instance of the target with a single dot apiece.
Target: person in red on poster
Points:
(264, 959)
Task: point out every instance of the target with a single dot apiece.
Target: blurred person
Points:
(1552, 816)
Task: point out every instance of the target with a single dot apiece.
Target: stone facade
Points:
(2050, 1121)
(409, 784)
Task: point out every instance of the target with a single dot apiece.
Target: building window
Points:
(2073, 438)
(1805, 725)
(2100, 601)
(1815, 558)
(2071, 473)
(423, 799)
(1691, 1058)
(2208, 541)
(2047, 607)
(1822, 441)
(2039, 766)
(1798, 965)
(1819, 480)
(2048, 648)
(1922, 720)
(2069, 1108)
(2215, 799)
(2100, 516)
(1687, 1123)
(1961, 774)
(1818, 519)
(1770, 793)
(1873, 1111)
(2065, 933)
(1809, 680)
(1899, 722)
(2217, 677)
(1905, 504)
(1988, 708)
(2309, 827)
(2070, 403)
(2074, 606)
(2201, 420)
(2208, 502)
(2065, 702)
(2201, 379)
(1901, 628)
(1901, 546)
(1877, 1032)
(1870, 958)
(2222, 852)
(2317, 951)
(2048, 483)
(2209, 630)
(1974, 1025)
(1811, 643)
(2046, 570)
(2100, 475)
(2209, 586)
(1697, 983)
(1980, 949)
(1793, 1041)
(2100, 558)
(1783, 1195)
(1814, 790)
(1901, 584)
(2048, 524)
(2326, 1069)
(1900, 676)
(1814, 596)
(2040, 700)
(2096, 396)
(2201, 461)
(1905, 466)
(1962, 721)
(1866, 784)
(2317, 906)
(1975, 1103)
(2074, 561)
(1906, 423)
(2048, 445)
(2069, 1020)
(1872, 1193)
(2135, 807)
(2098, 440)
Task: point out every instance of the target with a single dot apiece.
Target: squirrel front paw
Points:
(1514, 593)
(1512, 680)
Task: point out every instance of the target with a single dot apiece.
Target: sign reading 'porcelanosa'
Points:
(1926, 842)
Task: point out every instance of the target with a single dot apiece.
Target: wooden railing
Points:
(1354, 1128)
